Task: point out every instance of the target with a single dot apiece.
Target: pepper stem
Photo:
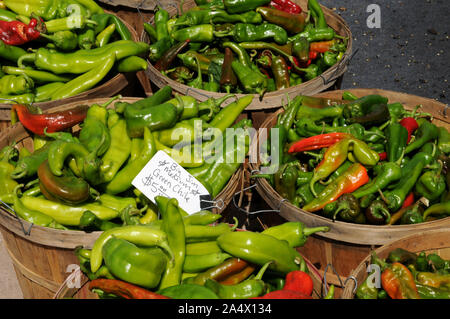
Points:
(111, 100)
(309, 231)
(236, 222)
(263, 270)
(386, 214)
(31, 57)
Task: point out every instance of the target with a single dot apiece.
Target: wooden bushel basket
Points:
(117, 84)
(271, 99)
(76, 285)
(42, 257)
(431, 241)
(346, 244)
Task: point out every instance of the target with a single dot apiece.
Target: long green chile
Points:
(389, 172)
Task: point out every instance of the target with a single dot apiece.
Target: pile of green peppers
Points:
(404, 157)
(422, 276)
(79, 47)
(84, 180)
(196, 256)
(269, 49)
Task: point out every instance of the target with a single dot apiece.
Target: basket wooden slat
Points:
(346, 244)
(41, 257)
(278, 98)
(432, 241)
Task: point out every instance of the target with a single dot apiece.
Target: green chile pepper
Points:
(412, 171)
(130, 263)
(31, 215)
(260, 248)
(386, 173)
(239, 6)
(157, 117)
(122, 180)
(444, 140)
(246, 32)
(188, 291)
(199, 263)
(173, 226)
(426, 132)
(431, 184)
(67, 215)
(15, 84)
(397, 136)
(252, 287)
(117, 153)
(64, 40)
(295, 233)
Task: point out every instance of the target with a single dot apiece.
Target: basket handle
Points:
(340, 282)
(26, 232)
(258, 211)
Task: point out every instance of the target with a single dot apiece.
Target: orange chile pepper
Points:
(352, 179)
(399, 282)
(124, 289)
(321, 46)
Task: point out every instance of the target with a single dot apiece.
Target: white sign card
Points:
(162, 176)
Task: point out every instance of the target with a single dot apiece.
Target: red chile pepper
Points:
(409, 200)
(383, 156)
(286, 6)
(17, 32)
(410, 124)
(124, 289)
(317, 141)
(54, 122)
(299, 281)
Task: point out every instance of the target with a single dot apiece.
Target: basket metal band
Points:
(26, 232)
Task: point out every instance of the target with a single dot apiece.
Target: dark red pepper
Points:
(54, 122)
(166, 60)
(18, 33)
(409, 200)
(410, 124)
(286, 6)
(383, 156)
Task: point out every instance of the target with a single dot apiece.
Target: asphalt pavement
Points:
(409, 52)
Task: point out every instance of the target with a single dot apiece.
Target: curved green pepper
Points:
(295, 233)
(136, 265)
(188, 291)
(386, 173)
(122, 180)
(260, 248)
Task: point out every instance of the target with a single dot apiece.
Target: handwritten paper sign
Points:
(162, 176)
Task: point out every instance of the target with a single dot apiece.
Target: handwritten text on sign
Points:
(162, 176)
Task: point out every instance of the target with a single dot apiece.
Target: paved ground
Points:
(410, 53)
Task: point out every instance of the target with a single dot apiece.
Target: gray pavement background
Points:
(410, 53)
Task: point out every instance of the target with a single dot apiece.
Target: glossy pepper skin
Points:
(28, 166)
(196, 33)
(15, 84)
(249, 288)
(228, 80)
(239, 6)
(188, 291)
(412, 171)
(65, 214)
(217, 16)
(444, 140)
(245, 32)
(426, 132)
(123, 289)
(259, 249)
(117, 153)
(173, 226)
(32, 215)
(18, 33)
(122, 180)
(378, 213)
(397, 137)
(386, 173)
(54, 122)
(398, 282)
(348, 209)
(140, 235)
(291, 22)
(66, 188)
(135, 265)
(280, 72)
(431, 184)
(352, 179)
(7, 184)
(295, 233)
